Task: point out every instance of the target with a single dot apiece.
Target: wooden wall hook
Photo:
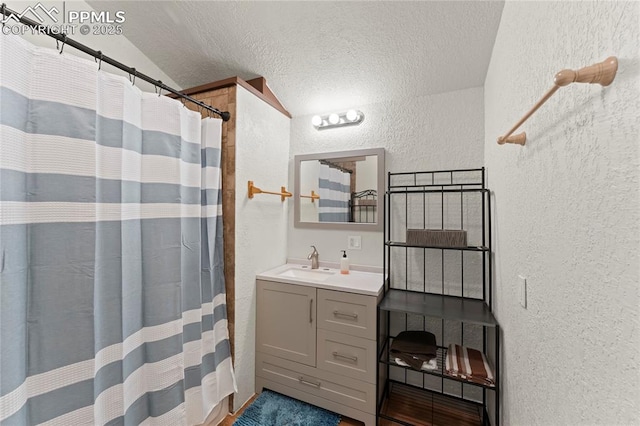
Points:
(313, 196)
(518, 139)
(252, 190)
(602, 73)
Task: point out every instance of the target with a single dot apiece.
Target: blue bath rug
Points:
(274, 409)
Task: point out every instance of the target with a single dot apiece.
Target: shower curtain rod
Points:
(225, 115)
(335, 166)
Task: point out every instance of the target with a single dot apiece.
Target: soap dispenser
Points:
(344, 263)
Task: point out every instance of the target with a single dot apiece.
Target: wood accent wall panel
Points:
(349, 165)
(257, 86)
(224, 99)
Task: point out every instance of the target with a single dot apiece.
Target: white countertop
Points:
(369, 283)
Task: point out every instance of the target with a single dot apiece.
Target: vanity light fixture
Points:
(348, 118)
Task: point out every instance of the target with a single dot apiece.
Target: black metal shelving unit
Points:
(444, 290)
(363, 206)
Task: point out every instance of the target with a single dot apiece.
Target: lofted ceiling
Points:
(319, 56)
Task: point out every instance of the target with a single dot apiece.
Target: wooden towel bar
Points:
(602, 73)
(255, 190)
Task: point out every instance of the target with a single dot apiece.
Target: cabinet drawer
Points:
(347, 355)
(349, 313)
(344, 390)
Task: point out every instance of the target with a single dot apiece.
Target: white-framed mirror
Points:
(340, 190)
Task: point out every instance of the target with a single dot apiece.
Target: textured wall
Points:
(262, 151)
(421, 133)
(566, 214)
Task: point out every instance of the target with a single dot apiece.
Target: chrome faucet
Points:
(313, 257)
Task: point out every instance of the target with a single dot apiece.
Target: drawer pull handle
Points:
(345, 314)
(349, 357)
(307, 382)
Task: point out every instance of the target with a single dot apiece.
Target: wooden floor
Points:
(228, 421)
(423, 408)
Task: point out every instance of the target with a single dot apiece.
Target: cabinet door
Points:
(286, 321)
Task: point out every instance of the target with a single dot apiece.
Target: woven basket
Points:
(437, 237)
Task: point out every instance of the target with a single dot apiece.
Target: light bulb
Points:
(352, 115)
(316, 120)
(334, 118)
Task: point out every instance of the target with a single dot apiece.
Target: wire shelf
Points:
(405, 245)
(441, 356)
(463, 309)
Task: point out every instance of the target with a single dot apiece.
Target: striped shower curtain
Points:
(112, 303)
(334, 188)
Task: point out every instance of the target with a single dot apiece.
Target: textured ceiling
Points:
(316, 55)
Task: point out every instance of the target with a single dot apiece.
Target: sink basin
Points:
(308, 274)
(359, 282)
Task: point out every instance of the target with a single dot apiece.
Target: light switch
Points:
(354, 242)
(522, 284)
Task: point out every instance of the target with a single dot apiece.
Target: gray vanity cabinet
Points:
(318, 346)
(286, 321)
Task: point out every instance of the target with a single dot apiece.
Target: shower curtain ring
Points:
(3, 9)
(64, 40)
(100, 64)
(132, 80)
(159, 88)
